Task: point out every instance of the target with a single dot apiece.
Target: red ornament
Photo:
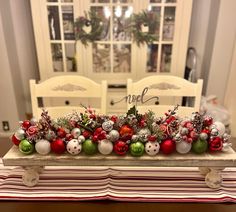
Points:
(15, 140)
(152, 138)
(120, 147)
(193, 135)
(58, 146)
(61, 132)
(114, 118)
(208, 121)
(26, 124)
(99, 134)
(167, 146)
(69, 137)
(207, 131)
(86, 134)
(126, 132)
(215, 144)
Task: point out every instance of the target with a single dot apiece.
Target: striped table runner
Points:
(117, 183)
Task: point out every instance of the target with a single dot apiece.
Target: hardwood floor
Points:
(24, 206)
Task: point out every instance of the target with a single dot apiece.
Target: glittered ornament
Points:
(89, 147)
(76, 132)
(121, 147)
(15, 140)
(61, 132)
(105, 147)
(220, 127)
(183, 147)
(215, 144)
(126, 132)
(207, 121)
(107, 125)
(81, 138)
(26, 147)
(137, 149)
(184, 131)
(86, 134)
(199, 146)
(50, 135)
(152, 148)
(20, 134)
(167, 146)
(69, 137)
(203, 136)
(114, 135)
(214, 132)
(43, 147)
(25, 124)
(143, 134)
(58, 146)
(74, 147)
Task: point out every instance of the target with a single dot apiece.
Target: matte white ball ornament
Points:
(105, 147)
(74, 147)
(43, 147)
(183, 147)
(152, 148)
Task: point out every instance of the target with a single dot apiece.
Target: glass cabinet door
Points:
(62, 36)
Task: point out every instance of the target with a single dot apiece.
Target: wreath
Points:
(142, 20)
(90, 19)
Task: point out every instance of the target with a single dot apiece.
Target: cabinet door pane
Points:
(70, 57)
(68, 22)
(168, 23)
(170, 1)
(57, 59)
(99, 1)
(155, 1)
(101, 57)
(122, 58)
(155, 17)
(121, 21)
(152, 53)
(105, 21)
(166, 52)
(54, 23)
(122, 1)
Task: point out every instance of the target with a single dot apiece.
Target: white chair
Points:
(67, 86)
(165, 86)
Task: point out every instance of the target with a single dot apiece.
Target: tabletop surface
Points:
(221, 159)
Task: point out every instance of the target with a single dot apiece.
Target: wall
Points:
(19, 52)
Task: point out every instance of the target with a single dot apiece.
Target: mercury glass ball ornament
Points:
(76, 132)
(152, 148)
(26, 147)
(20, 134)
(74, 147)
(107, 125)
(220, 127)
(114, 135)
(81, 138)
(203, 136)
(105, 147)
(183, 147)
(43, 147)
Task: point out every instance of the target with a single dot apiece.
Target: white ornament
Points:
(152, 148)
(114, 135)
(107, 125)
(220, 127)
(76, 132)
(183, 147)
(81, 138)
(43, 147)
(74, 147)
(143, 134)
(20, 134)
(105, 147)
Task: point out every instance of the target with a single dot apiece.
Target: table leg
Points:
(31, 175)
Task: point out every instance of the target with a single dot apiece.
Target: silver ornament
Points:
(20, 134)
(177, 137)
(105, 147)
(50, 135)
(107, 125)
(214, 132)
(135, 138)
(203, 136)
(220, 127)
(76, 132)
(81, 138)
(113, 135)
(74, 147)
(33, 121)
(184, 131)
(143, 134)
(152, 148)
(43, 147)
(183, 147)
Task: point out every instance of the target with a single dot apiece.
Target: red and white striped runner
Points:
(117, 183)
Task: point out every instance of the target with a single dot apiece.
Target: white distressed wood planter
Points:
(210, 165)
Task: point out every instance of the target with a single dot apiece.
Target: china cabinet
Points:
(114, 56)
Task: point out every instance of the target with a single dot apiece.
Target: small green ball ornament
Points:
(26, 147)
(89, 147)
(199, 146)
(137, 149)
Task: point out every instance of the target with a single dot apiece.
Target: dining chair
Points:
(170, 88)
(69, 86)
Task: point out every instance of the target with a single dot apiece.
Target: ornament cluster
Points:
(133, 133)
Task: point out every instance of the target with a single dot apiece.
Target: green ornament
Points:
(26, 147)
(199, 146)
(89, 147)
(137, 149)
